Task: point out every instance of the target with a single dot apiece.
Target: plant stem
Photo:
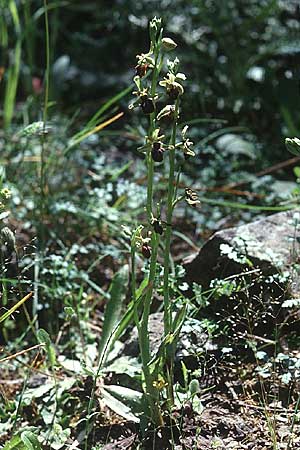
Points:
(45, 111)
(41, 222)
(168, 232)
(167, 304)
(144, 338)
(149, 160)
(150, 173)
(142, 325)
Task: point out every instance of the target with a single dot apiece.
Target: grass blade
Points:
(15, 307)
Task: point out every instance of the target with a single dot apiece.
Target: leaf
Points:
(34, 129)
(197, 405)
(118, 406)
(238, 205)
(293, 145)
(30, 441)
(125, 364)
(286, 378)
(179, 321)
(94, 130)
(37, 392)
(12, 85)
(72, 365)
(236, 145)
(113, 311)
(43, 337)
(59, 436)
(129, 396)
(14, 444)
(291, 303)
(288, 47)
(91, 126)
(296, 171)
(127, 318)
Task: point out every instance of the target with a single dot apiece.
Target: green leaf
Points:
(291, 303)
(179, 320)
(14, 444)
(233, 144)
(12, 84)
(59, 436)
(114, 397)
(33, 129)
(296, 171)
(124, 364)
(99, 115)
(44, 338)
(127, 318)
(238, 205)
(30, 441)
(129, 396)
(113, 311)
(293, 145)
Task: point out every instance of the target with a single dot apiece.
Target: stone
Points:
(270, 245)
(193, 339)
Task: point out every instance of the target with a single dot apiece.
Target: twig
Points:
(274, 168)
(22, 352)
(265, 408)
(262, 339)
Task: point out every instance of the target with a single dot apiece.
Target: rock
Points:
(193, 339)
(270, 245)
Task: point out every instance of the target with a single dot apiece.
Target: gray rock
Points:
(193, 339)
(270, 245)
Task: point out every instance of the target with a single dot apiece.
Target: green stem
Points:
(142, 328)
(150, 163)
(150, 173)
(167, 304)
(148, 296)
(45, 111)
(144, 322)
(144, 337)
(168, 232)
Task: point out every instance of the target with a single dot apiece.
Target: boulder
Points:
(269, 245)
(193, 339)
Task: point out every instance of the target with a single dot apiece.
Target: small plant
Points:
(159, 100)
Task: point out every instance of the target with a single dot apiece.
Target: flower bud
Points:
(157, 226)
(168, 44)
(174, 91)
(293, 145)
(146, 251)
(154, 28)
(157, 152)
(191, 197)
(141, 70)
(167, 113)
(147, 105)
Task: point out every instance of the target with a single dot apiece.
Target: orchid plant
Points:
(158, 98)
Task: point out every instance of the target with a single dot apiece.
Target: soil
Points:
(253, 414)
(225, 423)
